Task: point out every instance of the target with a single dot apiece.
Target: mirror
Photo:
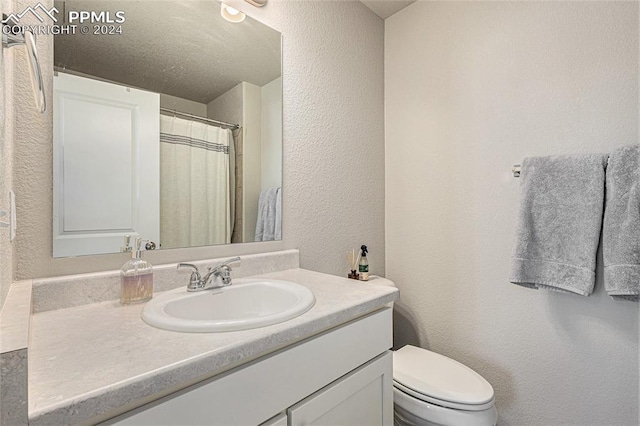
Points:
(167, 124)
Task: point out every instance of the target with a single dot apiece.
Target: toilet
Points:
(431, 389)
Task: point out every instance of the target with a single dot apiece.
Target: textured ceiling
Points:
(184, 49)
(386, 8)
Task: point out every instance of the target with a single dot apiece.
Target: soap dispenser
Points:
(136, 277)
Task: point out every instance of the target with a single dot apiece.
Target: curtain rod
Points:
(208, 120)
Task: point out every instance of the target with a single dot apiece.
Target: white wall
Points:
(183, 105)
(227, 107)
(470, 89)
(272, 134)
(333, 146)
(259, 111)
(6, 158)
(251, 156)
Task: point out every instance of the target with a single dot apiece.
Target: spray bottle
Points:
(363, 267)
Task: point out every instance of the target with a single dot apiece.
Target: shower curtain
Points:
(195, 196)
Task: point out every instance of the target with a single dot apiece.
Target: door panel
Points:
(106, 165)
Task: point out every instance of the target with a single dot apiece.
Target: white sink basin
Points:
(246, 304)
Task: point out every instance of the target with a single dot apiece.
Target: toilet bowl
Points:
(431, 389)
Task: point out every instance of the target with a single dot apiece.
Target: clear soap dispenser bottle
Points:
(136, 277)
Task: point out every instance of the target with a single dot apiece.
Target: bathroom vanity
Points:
(342, 376)
(99, 363)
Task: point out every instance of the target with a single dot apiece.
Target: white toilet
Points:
(431, 389)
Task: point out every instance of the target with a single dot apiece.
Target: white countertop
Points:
(92, 360)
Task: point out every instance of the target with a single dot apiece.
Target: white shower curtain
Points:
(195, 202)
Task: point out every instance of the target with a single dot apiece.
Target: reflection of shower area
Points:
(211, 178)
(258, 110)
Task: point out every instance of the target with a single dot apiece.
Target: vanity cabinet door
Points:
(279, 420)
(362, 397)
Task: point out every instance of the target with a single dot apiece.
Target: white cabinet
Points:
(279, 420)
(342, 376)
(364, 397)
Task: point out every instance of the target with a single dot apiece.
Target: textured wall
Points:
(228, 106)
(183, 105)
(470, 89)
(333, 157)
(251, 157)
(333, 146)
(6, 158)
(271, 134)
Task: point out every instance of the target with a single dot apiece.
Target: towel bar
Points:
(516, 170)
(14, 35)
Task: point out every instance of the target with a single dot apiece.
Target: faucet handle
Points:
(194, 280)
(224, 272)
(225, 263)
(191, 266)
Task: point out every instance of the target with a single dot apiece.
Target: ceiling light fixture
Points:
(231, 14)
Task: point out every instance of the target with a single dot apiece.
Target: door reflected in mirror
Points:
(166, 128)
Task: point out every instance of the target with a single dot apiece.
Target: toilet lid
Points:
(439, 377)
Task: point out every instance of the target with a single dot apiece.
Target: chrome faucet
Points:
(208, 281)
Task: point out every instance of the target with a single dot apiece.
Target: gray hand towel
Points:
(559, 223)
(268, 214)
(621, 229)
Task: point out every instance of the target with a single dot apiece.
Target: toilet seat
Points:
(436, 379)
(440, 402)
(415, 412)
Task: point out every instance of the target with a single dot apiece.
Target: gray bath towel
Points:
(559, 223)
(621, 229)
(269, 213)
